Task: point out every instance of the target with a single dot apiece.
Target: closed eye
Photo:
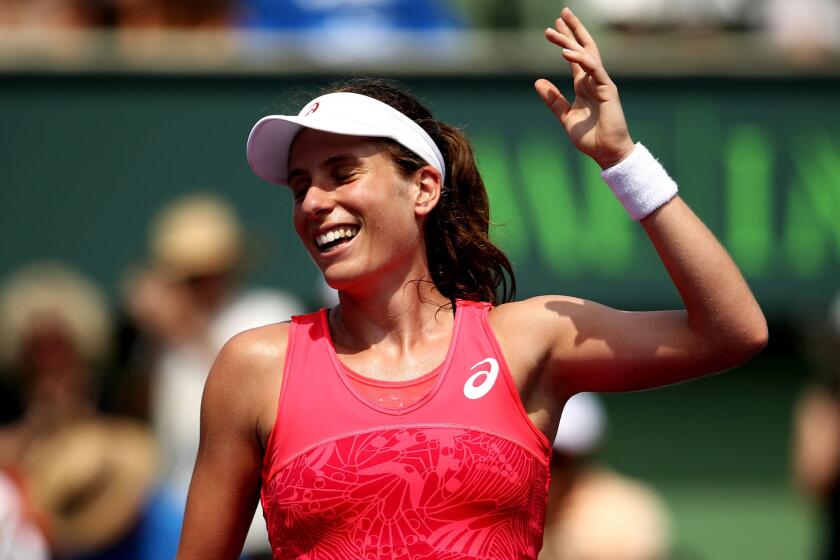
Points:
(344, 175)
(340, 169)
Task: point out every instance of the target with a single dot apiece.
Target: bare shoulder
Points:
(541, 317)
(246, 376)
(256, 348)
(531, 332)
(252, 353)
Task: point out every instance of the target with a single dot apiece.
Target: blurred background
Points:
(135, 239)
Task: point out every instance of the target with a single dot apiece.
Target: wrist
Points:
(640, 183)
(617, 157)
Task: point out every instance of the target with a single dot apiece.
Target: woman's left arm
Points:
(591, 347)
(580, 345)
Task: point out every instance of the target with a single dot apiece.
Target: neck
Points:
(58, 394)
(394, 317)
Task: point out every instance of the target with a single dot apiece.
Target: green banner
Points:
(87, 160)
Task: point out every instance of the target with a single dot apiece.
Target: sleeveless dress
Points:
(460, 473)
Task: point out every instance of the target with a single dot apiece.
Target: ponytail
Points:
(464, 263)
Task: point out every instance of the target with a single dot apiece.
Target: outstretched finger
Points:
(563, 29)
(566, 41)
(552, 97)
(562, 37)
(579, 30)
(589, 64)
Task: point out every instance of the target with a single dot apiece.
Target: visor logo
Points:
(313, 108)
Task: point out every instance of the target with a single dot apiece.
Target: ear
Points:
(428, 182)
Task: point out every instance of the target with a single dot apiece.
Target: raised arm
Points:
(584, 346)
(236, 409)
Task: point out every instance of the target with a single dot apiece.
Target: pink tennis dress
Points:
(460, 472)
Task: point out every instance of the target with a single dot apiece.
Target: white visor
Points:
(341, 113)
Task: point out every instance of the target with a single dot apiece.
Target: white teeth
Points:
(321, 240)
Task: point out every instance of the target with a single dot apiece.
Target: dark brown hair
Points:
(463, 262)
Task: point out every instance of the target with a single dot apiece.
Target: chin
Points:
(338, 279)
(345, 279)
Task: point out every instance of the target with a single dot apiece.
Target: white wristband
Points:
(640, 183)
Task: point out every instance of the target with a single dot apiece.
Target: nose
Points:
(317, 202)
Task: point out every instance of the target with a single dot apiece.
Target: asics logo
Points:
(476, 386)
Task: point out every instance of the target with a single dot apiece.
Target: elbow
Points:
(756, 343)
(761, 336)
(758, 335)
(746, 343)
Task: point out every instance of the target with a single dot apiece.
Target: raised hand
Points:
(594, 121)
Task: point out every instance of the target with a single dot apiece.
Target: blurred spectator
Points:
(188, 303)
(594, 513)
(181, 14)
(54, 329)
(352, 30)
(68, 14)
(649, 15)
(816, 436)
(806, 30)
(294, 15)
(20, 536)
(134, 14)
(80, 477)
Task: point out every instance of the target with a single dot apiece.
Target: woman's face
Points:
(49, 347)
(354, 212)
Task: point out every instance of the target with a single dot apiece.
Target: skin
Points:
(816, 443)
(57, 391)
(388, 326)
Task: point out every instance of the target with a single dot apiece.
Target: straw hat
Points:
(196, 234)
(609, 517)
(89, 480)
(54, 290)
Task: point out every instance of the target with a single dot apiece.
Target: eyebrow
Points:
(338, 158)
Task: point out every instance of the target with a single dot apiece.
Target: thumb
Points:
(552, 97)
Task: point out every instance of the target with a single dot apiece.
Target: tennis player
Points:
(413, 419)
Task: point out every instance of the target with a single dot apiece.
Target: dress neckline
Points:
(347, 374)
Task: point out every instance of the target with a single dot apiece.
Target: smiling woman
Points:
(462, 261)
(386, 428)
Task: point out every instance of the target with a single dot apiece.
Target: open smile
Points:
(329, 240)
